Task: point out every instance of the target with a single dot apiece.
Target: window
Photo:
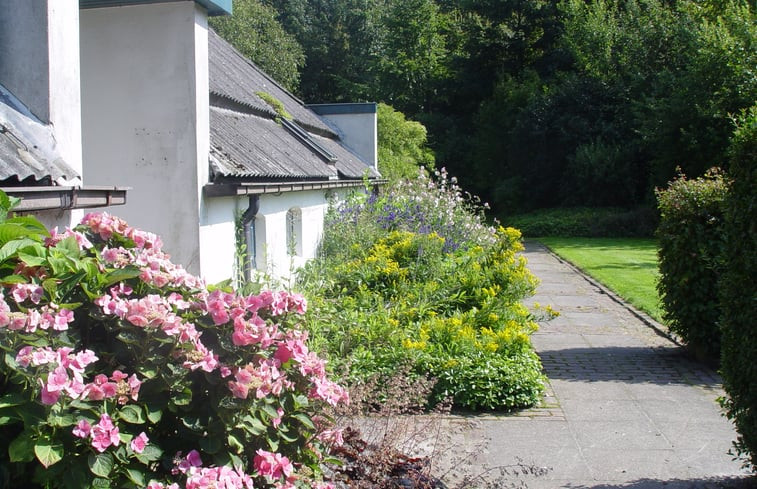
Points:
(294, 232)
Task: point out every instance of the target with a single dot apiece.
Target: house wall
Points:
(144, 79)
(357, 126)
(39, 64)
(272, 256)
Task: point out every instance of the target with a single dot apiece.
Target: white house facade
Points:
(141, 95)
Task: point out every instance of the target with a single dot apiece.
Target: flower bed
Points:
(119, 368)
(416, 277)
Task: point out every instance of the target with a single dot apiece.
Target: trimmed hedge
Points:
(586, 222)
(691, 245)
(738, 290)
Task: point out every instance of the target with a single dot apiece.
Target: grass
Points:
(627, 266)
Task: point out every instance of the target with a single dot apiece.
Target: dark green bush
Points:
(587, 222)
(691, 245)
(738, 291)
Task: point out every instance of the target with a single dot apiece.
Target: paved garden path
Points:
(625, 408)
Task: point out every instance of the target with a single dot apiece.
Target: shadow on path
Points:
(709, 483)
(627, 364)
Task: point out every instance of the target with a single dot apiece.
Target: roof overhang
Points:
(258, 188)
(215, 7)
(54, 197)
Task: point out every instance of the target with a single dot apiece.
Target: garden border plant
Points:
(416, 276)
(119, 368)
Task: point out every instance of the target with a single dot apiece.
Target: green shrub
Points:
(691, 246)
(416, 278)
(120, 369)
(586, 222)
(738, 290)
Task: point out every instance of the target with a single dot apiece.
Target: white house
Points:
(40, 123)
(193, 130)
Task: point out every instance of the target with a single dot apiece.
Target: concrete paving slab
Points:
(636, 413)
(626, 409)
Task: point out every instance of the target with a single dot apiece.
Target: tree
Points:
(402, 145)
(254, 30)
(339, 38)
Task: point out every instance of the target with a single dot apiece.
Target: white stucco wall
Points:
(144, 79)
(272, 257)
(39, 64)
(357, 126)
(217, 237)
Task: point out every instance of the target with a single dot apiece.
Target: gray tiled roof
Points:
(247, 145)
(27, 147)
(246, 140)
(235, 77)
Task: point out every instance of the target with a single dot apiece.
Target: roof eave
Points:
(258, 188)
(55, 197)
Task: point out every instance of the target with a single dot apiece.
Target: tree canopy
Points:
(532, 104)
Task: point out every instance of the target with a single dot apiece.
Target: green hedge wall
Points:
(691, 244)
(738, 290)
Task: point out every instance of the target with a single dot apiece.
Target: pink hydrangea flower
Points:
(332, 437)
(82, 429)
(104, 434)
(273, 465)
(139, 443)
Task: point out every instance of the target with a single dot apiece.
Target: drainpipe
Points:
(247, 219)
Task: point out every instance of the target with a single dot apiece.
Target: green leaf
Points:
(31, 223)
(14, 232)
(119, 275)
(305, 420)
(62, 421)
(235, 444)
(252, 425)
(101, 464)
(21, 449)
(14, 279)
(153, 413)
(47, 452)
(12, 399)
(99, 483)
(151, 453)
(270, 411)
(182, 398)
(132, 413)
(69, 247)
(136, 476)
(31, 260)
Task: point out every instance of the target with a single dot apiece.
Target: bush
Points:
(737, 287)
(415, 277)
(691, 242)
(119, 369)
(586, 222)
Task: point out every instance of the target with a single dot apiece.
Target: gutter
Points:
(58, 197)
(256, 188)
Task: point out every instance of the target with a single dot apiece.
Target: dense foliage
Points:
(739, 290)
(598, 222)
(541, 104)
(402, 147)
(692, 245)
(415, 278)
(120, 369)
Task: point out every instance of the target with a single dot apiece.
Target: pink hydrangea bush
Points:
(117, 362)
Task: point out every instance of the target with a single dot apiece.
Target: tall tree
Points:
(255, 31)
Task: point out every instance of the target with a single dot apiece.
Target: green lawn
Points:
(627, 266)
